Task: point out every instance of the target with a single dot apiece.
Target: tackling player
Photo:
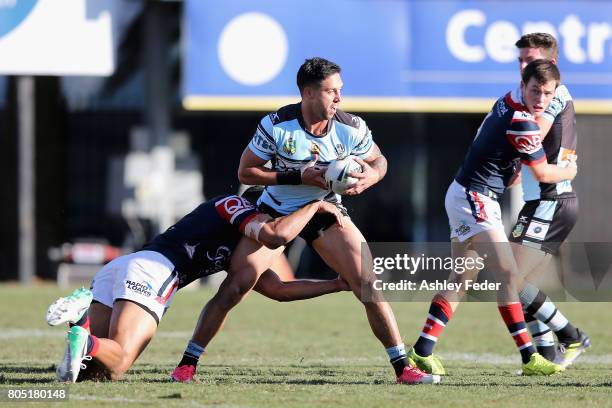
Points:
(132, 293)
(295, 139)
(509, 133)
(549, 214)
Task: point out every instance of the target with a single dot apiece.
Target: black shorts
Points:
(315, 227)
(544, 224)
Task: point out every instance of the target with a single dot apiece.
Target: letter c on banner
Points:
(455, 35)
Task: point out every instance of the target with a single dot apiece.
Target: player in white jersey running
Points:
(299, 140)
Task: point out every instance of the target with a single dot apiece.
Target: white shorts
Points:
(146, 277)
(470, 213)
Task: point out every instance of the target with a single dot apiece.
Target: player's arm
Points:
(271, 286)
(524, 134)
(261, 149)
(515, 180)
(252, 171)
(374, 169)
(276, 232)
(545, 125)
(550, 173)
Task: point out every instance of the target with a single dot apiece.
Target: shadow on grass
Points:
(240, 380)
(27, 369)
(25, 380)
(606, 384)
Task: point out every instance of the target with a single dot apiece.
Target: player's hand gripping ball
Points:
(337, 174)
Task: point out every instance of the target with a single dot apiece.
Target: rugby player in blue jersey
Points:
(549, 214)
(299, 140)
(508, 135)
(131, 293)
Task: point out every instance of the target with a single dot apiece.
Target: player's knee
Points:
(508, 278)
(231, 293)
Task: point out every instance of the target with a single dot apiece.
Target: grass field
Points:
(312, 353)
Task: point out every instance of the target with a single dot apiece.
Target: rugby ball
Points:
(337, 174)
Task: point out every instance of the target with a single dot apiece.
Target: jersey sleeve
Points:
(558, 104)
(263, 144)
(236, 211)
(363, 142)
(524, 135)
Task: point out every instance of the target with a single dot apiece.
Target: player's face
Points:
(327, 97)
(526, 55)
(537, 96)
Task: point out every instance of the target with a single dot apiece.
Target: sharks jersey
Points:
(509, 133)
(201, 243)
(281, 138)
(558, 144)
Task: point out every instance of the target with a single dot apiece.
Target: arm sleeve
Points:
(263, 144)
(236, 211)
(363, 142)
(558, 104)
(524, 135)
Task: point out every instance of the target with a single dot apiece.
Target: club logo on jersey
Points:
(518, 230)
(233, 204)
(142, 288)
(290, 145)
(314, 148)
(231, 207)
(274, 118)
(526, 143)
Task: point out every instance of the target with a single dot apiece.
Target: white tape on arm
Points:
(253, 228)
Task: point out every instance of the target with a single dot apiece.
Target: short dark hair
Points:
(543, 71)
(544, 41)
(314, 71)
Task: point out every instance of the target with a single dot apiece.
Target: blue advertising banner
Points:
(396, 55)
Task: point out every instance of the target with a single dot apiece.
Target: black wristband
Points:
(293, 177)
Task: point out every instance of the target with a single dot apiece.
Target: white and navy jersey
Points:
(560, 142)
(201, 243)
(282, 139)
(509, 133)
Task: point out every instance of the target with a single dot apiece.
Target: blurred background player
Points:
(297, 139)
(508, 133)
(549, 214)
(132, 293)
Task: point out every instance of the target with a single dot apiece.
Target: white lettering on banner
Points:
(572, 32)
(499, 41)
(500, 36)
(455, 35)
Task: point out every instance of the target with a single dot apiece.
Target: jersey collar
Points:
(300, 119)
(515, 100)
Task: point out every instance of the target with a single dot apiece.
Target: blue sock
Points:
(398, 358)
(192, 354)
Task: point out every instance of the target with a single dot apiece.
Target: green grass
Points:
(311, 353)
